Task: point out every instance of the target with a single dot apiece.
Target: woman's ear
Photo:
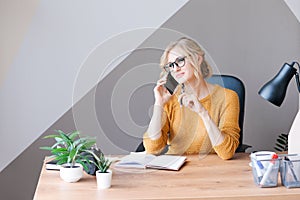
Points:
(200, 58)
(198, 72)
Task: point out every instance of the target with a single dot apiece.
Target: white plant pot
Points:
(71, 174)
(103, 179)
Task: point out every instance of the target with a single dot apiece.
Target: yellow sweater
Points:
(185, 132)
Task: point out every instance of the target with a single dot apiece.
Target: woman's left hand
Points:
(192, 102)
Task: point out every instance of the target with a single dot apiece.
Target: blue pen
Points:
(260, 165)
(259, 169)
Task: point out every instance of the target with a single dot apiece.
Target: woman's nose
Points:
(176, 68)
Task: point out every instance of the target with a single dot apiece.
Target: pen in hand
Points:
(182, 91)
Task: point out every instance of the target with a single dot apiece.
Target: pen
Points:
(182, 91)
(269, 170)
(259, 169)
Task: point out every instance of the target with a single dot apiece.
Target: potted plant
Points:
(69, 151)
(103, 174)
(281, 144)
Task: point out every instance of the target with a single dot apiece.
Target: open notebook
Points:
(167, 162)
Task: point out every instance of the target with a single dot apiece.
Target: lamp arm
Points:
(297, 77)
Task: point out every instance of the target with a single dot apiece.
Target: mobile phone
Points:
(171, 83)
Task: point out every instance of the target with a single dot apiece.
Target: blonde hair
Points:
(192, 50)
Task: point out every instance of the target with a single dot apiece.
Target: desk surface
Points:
(206, 178)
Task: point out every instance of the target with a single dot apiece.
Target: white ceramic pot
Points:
(71, 174)
(103, 179)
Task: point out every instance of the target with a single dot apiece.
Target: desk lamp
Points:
(274, 91)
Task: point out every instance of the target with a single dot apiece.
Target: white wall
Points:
(15, 17)
(294, 5)
(38, 87)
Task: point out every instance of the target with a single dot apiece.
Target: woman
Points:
(199, 117)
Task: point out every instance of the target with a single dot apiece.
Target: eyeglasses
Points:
(179, 62)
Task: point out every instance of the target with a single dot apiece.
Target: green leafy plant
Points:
(70, 148)
(281, 142)
(100, 162)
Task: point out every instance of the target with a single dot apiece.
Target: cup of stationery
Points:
(290, 170)
(265, 168)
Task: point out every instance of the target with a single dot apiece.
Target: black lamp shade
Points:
(274, 91)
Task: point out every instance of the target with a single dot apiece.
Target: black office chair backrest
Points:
(235, 84)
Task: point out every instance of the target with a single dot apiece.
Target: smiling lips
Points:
(179, 75)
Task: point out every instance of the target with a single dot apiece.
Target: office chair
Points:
(235, 84)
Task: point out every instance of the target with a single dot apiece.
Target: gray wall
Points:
(242, 38)
(248, 38)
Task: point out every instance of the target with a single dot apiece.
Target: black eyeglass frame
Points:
(179, 62)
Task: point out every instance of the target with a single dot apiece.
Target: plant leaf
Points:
(73, 154)
(61, 161)
(61, 157)
(73, 135)
(277, 149)
(52, 136)
(46, 148)
(83, 165)
(89, 143)
(280, 146)
(280, 141)
(59, 150)
(283, 137)
(66, 139)
(93, 154)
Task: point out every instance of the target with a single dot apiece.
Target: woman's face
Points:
(180, 67)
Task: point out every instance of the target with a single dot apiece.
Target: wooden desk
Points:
(207, 178)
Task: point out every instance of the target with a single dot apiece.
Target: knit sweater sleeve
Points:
(156, 146)
(229, 126)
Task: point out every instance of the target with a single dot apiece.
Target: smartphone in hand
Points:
(171, 83)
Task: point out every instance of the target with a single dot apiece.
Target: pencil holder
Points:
(265, 167)
(290, 171)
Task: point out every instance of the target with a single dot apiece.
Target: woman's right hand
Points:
(161, 94)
